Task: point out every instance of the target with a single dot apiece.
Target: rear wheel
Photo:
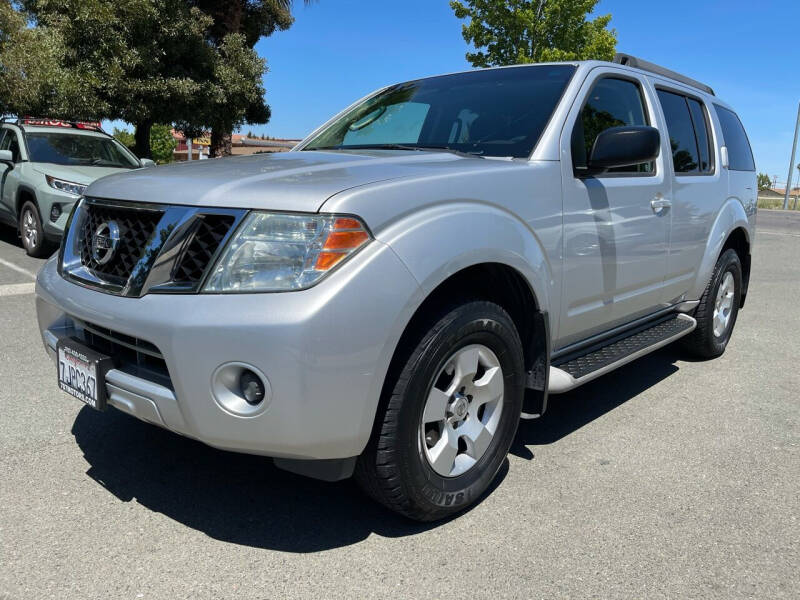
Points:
(719, 306)
(31, 231)
(450, 417)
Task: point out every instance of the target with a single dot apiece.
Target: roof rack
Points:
(44, 122)
(638, 63)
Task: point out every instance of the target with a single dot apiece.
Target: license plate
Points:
(82, 372)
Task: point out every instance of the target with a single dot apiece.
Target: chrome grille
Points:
(155, 248)
(136, 228)
(205, 242)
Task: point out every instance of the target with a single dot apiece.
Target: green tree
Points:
(33, 80)
(525, 31)
(125, 137)
(142, 61)
(237, 26)
(764, 182)
(162, 144)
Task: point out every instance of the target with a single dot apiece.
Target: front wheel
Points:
(450, 416)
(31, 231)
(719, 306)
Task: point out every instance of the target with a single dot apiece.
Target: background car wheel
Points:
(451, 413)
(31, 231)
(719, 306)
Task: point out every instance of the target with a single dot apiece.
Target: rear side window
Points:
(740, 157)
(688, 133)
(611, 103)
(702, 130)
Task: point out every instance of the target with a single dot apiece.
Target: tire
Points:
(709, 339)
(398, 468)
(31, 231)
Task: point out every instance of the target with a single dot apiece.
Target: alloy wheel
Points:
(462, 410)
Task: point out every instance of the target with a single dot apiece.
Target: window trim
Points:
(718, 107)
(709, 130)
(647, 110)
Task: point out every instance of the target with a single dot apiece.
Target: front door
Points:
(616, 224)
(8, 179)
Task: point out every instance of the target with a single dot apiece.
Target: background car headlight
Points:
(281, 251)
(69, 187)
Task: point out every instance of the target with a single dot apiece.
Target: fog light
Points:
(55, 212)
(251, 387)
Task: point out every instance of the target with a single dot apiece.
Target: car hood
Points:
(292, 181)
(83, 175)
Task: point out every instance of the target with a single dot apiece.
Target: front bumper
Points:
(325, 352)
(46, 197)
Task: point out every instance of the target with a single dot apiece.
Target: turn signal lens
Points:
(347, 236)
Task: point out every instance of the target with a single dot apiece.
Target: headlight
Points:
(274, 252)
(69, 187)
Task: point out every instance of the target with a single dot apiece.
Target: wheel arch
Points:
(25, 193)
(738, 241)
(731, 229)
(504, 285)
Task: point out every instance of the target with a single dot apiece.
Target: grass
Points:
(777, 203)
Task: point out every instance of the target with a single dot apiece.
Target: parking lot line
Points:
(17, 289)
(16, 268)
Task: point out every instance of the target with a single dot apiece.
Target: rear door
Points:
(615, 240)
(699, 185)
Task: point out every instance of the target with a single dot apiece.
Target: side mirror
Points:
(623, 147)
(147, 163)
(7, 157)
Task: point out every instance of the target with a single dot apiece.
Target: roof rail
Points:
(638, 63)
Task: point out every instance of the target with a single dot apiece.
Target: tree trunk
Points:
(142, 136)
(220, 142)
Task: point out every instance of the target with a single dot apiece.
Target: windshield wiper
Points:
(398, 147)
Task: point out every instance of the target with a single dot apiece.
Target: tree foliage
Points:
(236, 27)
(524, 31)
(189, 62)
(162, 144)
(125, 137)
(32, 77)
(764, 182)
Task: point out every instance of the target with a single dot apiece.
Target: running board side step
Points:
(575, 370)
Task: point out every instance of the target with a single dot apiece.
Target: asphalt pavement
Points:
(666, 479)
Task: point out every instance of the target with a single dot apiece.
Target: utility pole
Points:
(790, 178)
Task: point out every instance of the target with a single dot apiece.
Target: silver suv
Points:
(392, 296)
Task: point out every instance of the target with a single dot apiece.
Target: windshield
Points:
(78, 150)
(496, 112)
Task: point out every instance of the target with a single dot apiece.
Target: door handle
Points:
(659, 204)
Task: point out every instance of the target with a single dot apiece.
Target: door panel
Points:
(6, 196)
(698, 188)
(615, 242)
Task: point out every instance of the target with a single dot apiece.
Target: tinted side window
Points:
(740, 157)
(611, 103)
(681, 133)
(702, 132)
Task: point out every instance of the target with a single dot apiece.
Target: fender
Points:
(480, 233)
(18, 202)
(731, 216)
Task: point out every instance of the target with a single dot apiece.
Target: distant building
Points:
(240, 144)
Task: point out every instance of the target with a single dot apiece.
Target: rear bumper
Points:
(324, 351)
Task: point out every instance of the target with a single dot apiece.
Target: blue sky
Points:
(339, 50)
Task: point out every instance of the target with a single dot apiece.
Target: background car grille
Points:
(135, 227)
(210, 232)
